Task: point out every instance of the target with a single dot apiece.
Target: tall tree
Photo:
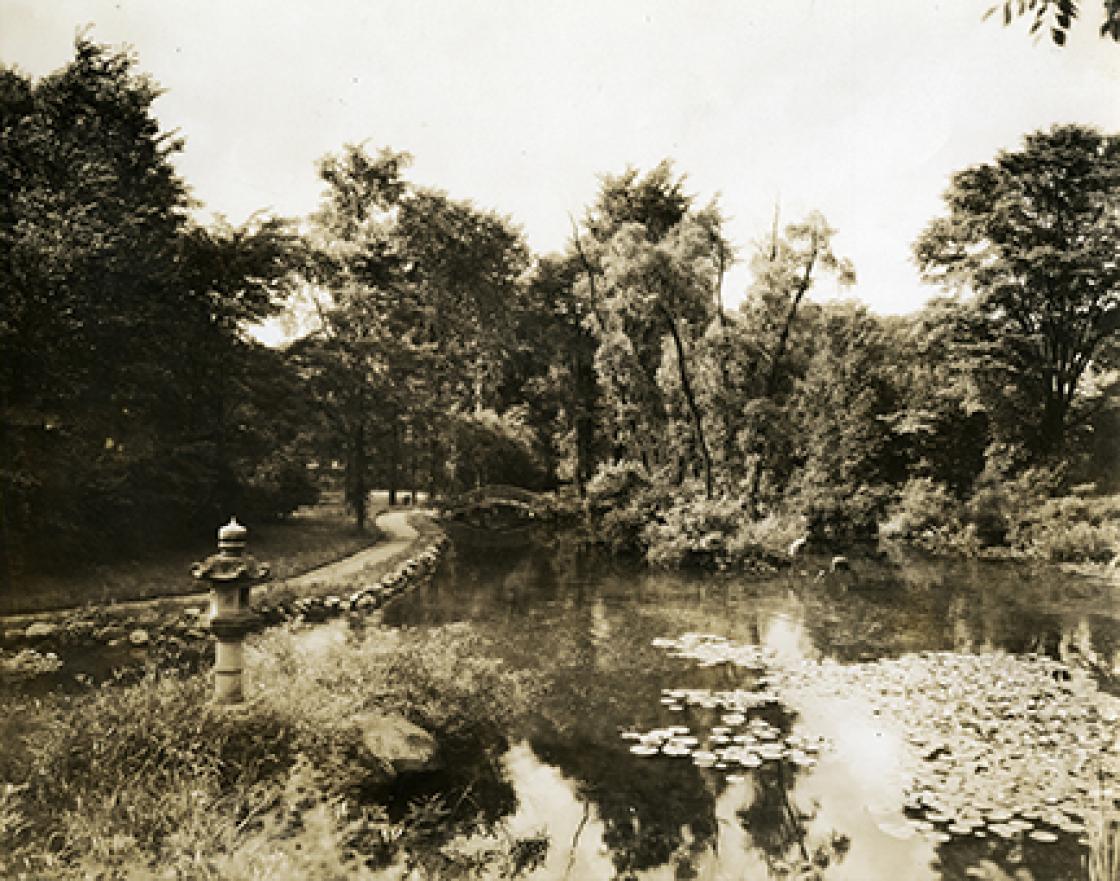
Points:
(653, 264)
(419, 294)
(1033, 236)
(785, 270)
(116, 317)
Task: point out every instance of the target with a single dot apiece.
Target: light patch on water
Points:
(859, 789)
(785, 636)
(547, 799)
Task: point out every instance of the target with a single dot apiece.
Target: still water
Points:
(590, 626)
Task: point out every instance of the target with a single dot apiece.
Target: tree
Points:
(1060, 13)
(360, 359)
(1033, 236)
(784, 272)
(419, 294)
(123, 399)
(943, 423)
(653, 264)
(845, 450)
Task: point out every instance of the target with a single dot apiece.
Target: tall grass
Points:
(151, 780)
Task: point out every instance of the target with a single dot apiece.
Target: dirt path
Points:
(398, 535)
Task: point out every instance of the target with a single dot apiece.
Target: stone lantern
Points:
(231, 574)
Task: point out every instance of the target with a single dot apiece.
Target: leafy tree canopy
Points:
(1034, 236)
(1060, 14)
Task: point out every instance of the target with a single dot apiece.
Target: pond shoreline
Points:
(357, 585)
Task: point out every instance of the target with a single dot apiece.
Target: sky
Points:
(861, 109)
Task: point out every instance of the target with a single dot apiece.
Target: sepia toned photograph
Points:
(511, 440)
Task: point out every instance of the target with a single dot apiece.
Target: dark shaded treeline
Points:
(136, 408)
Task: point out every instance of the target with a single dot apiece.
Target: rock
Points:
(13, 635)
(366, 602)
(80, 629)
(109, 633)
(139, 637)
(41, 630)
(840, 564)
(397, 743)
(797, 546)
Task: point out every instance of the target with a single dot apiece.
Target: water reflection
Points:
(588, 623)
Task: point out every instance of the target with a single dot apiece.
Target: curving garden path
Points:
(398, 533)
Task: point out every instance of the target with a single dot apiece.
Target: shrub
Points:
(1001, 501)
(837, 514)
(693, 532)
(617, 484)
(719, 534)
(1071, 530)
(925, 508)
(624, 500)
(767, 539)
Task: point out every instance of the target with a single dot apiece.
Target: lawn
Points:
(309, 538)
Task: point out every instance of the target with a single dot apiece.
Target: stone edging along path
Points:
(372, 578)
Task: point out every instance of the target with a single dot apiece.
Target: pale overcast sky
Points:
(859, 108)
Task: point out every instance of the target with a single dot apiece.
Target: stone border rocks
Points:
(413, 571)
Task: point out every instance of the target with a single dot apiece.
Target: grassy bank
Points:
(151, 781)
(310, 538)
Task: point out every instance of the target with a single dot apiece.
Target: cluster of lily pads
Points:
(742, 739)
(999, 745)
(727, 747)
(995, 744)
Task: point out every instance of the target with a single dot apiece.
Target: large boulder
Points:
(396, 743)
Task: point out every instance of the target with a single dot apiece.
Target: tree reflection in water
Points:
(778, 827)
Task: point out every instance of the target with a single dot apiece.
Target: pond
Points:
(915, 720)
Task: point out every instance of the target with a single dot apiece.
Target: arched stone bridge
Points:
(495, 507)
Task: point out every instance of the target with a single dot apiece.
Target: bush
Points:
(924, 509)
(1071, 530)
(719, 534)
(837, 514)
(624, 500)
(767, 539)
(1002, 499)
(617, 484)
(694, 532)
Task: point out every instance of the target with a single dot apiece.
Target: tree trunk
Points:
(775, 361)
(690, 399)
(394, 461)
(357, 492)
(584, 421)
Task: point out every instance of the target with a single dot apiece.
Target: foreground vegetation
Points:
(150, 780)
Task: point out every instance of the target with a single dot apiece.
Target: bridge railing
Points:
(494, 492)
